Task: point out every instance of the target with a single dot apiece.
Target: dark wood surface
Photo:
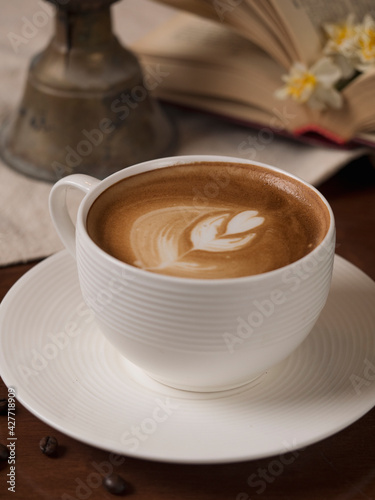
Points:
(341, 467)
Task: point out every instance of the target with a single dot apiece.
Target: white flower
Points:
(342, 45)
(351, 45)
(366, 44)
(342, 36)
(313, 86)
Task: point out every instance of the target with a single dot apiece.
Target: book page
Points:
(240, 17)
(247, 22)
(358, 94)
(304, 20)
(214, 82)
(187, 37)
(270, 18)
(356, 116)
(199, 57)
(199, 7)
(321, 11)
(366, 138)
(208, 65)
(249, 115)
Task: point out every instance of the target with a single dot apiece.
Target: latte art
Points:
(208, 229)
(208, 220)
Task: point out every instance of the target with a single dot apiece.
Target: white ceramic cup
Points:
(194, 334)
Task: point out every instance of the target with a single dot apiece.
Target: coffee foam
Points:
(216, 220)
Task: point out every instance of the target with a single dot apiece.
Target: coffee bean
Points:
(4, 452)
(48, 445)
(115, 484)
(3, 406)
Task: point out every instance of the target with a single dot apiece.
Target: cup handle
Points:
(59, 210)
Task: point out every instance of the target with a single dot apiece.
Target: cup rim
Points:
(146, 166)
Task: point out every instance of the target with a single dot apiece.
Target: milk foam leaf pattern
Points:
(244, 221)
(205, 235)
(206, 231)
(167, 245)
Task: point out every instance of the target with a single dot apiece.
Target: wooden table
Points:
(341, 467)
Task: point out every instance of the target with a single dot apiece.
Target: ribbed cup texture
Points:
(204, 334)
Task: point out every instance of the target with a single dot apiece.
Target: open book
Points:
(228, 57)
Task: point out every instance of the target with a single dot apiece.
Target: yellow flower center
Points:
(299, 86)
(342, 33)
(367, 44)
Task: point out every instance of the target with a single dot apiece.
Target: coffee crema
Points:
(208, 220)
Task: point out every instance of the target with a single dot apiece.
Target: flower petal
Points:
(346, 65)
(326, 71)
(324, 97)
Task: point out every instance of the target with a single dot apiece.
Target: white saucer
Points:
(68, 375)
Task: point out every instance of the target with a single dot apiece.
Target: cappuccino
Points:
(208, 220)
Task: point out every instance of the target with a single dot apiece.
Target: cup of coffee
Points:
(204, 271)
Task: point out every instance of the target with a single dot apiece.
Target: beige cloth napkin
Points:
(26, 231)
